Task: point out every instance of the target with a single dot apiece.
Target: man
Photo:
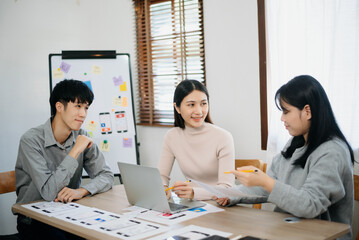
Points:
(52, 156)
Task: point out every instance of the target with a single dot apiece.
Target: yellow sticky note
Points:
(91, 125)
(91, 134)
(117, 101)
(123, 87)
(96, 70)
(124, 101)
(104, 146)
(57, 73)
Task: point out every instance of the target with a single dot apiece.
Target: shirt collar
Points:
(50, 138)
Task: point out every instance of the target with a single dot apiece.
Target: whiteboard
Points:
(111, 119)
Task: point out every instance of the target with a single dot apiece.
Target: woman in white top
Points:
(203, 151)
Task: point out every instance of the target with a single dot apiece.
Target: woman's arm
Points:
(166, 161)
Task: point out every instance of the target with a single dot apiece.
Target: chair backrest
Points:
(356, 187)
(7, 182)
(252, 162)
(356, 193)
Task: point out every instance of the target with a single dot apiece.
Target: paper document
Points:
(221, 192)
(52, 208)
(117, 225)
(192, 232)
(168, 218)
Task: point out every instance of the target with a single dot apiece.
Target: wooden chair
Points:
(252, 162)
(7, 185)
(356, 193)
(7, 182)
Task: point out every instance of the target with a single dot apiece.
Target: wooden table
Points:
(238, 220)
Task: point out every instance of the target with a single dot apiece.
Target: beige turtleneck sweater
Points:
(203, 154)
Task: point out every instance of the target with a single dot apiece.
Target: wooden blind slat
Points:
(170, 48)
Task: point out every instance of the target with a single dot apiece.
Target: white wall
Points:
(30, 30)
(231, 48)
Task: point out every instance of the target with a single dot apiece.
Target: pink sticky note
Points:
(65, 67)
(127, 142)
(117, 80)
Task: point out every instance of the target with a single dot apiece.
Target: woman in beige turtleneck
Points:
(203, 151)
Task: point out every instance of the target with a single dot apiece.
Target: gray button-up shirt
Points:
(43, 166)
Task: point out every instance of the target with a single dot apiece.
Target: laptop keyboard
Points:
(176, 207)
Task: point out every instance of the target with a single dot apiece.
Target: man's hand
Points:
(69, 194)
(82, 142)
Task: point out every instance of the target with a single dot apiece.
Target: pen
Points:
(172, 187)
(245, 171)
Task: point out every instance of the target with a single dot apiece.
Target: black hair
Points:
(182, 90)
(305, 90)
(70, 91)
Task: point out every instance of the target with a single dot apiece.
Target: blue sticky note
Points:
(88, 83)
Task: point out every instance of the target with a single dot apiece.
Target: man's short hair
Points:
(70, 91)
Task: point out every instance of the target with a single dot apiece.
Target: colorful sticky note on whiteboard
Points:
(105, 146)
(57, 73)
(91, 125)
(117, 101)
(65, 67)
(117, 80)
(124, 101)
(88, 83)
(96, 70)
(123, 87)
(127, 142)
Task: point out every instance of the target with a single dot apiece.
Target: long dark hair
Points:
(306, 90)
(182, 90)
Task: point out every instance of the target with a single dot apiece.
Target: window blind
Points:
(170, 48)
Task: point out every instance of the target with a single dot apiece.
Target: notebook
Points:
(144, 188)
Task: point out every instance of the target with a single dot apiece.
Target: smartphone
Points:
(105, 123)
(192, 235)
(121, 121)
(251, 238)
(215, 237)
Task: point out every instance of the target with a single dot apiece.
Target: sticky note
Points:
(96, 70)
(127, 142)
(123, 87)
(88, 83)
(91, 125)
(104, 146)
(57, 73)
(197, 210)
(65, 67)
(117, 80)
(124, 102)
(91, 134)
(117, 101)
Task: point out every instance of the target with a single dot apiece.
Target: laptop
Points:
(144, 188)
